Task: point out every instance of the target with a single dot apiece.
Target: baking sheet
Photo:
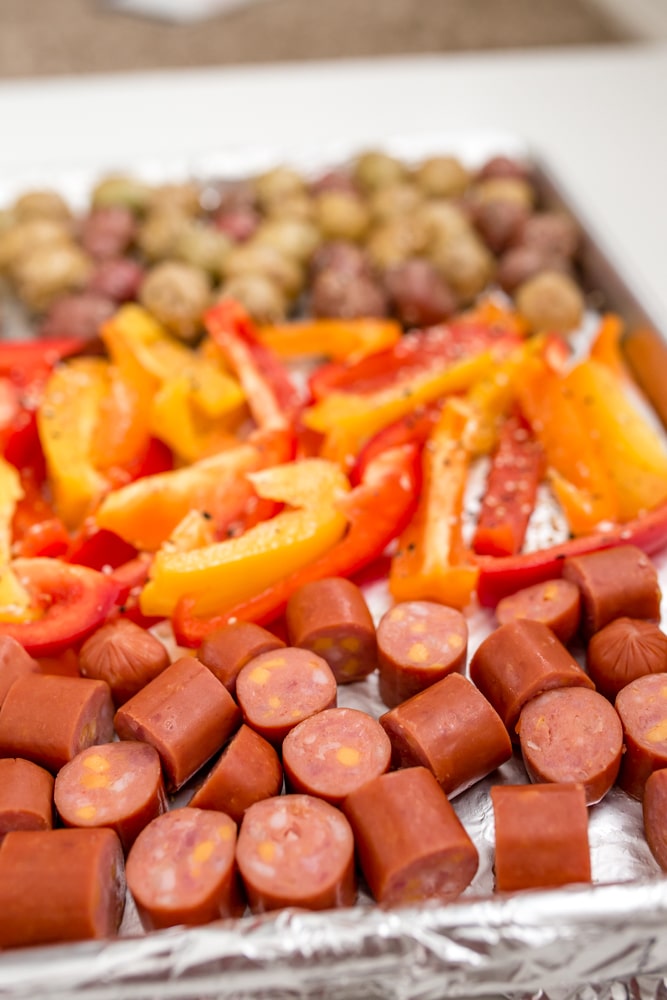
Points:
(549, 944)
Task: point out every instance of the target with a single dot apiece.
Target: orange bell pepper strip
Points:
(12, 594)
(340, 339)
(606, 344)
(218, 576)
(432, 562)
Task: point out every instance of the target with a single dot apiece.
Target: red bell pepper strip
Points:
(20, 359)
(36, 528)
(413, 428)
(378, 510)
(99, 548)
(73, 600)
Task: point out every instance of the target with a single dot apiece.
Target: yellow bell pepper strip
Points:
(378, 508)
(629, 447)
(177, 420)
(12, 594)
(340, 339)
(146, 511)
(220, 575)
(194, 532)
(432, 562)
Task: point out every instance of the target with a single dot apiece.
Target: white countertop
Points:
(597, 116)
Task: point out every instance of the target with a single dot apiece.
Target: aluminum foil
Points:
(607, 940)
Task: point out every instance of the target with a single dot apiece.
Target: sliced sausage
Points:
(124, 655)
(451, 729)
(541, 836)
(411, 844)
(556, 603)
(614, 582)
(296, 850)
(26, 796)
(248, 771)
(642, 706)
(572, 735)
(654, 809)
(331, 618)
(60, 885)
(118, 785)
(185, 713)
(334, 752)
(278, 690)
(181, 869)
(14, 663)
(228, 649)
(419, 643)
(518, 661)
(623, 650)
(48, 719)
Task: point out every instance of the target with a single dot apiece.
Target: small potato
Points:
(375, 169)
(418, 294)
(442, 177)
(203, 246)
(277, 184)
(338, 179)
(80, 315)
(515, 189)
(442, 220)
(293, 237)
(117, 278)
(503, 166)
(345, 258)
(519, 264)
(108, 232)
(555, 233)
(49, 271)
(259, 258)
(342, 215)
(44, 204)
(21, 238)
(499, 223)
(176, 294)
(185, 197)
(238, 222)
(262, 297)
(394, 200)
(346, 296)
(160, 232)
(465, 264)
(119, 189)
(396, 241)
(551, 301)
(299, 207)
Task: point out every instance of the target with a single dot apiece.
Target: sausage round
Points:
(411, 844)
(248, 771)
(334, 752)
(118, 785)
(278, 690)
(541, 836)
(419, 643)
(518, 661)
(451, 729)
(228, 649)
(556, 603)
(296, 850)
(79, 873)
(14, 663)
(185, 713)
(642, 706)
(331, 618)
(26, 796)
(572, 735)
(654, 808)
(614, 582)
(124, 655)
(623, 650)
(181, 869)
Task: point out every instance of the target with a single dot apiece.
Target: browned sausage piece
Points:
(185, 713)
(642, 706)
(181, 869)
(451, 729)
(26, 796)
(614, 582)
(411, 845)
(49, 719)
(518, 661)
(654, 809)
(541, 836)
(331, 618)
(623, 650)
(117, 785)
(572, 735)
(14, 663)
(228, 649)
(60, 885)
(555, 603)
(278, 690)
(419, 643)
(334, 752)
(248, 771)
(124, 655)
(296, 850)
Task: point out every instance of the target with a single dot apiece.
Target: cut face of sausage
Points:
(26, 796)
(642, 706)
(556, 603)
(623, 650)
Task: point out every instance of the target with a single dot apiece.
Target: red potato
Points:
(26, 796)
(14, 663)
(642, 707)
(623, 650)
(124, 655)
(556, 603)
(227, 650)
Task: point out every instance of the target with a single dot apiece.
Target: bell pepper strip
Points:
(194, 532)
(67, 604)
(130, 579)
(220, 575)
(273, 399)
(517, 468)
(12, 594)
(432, 562)
(499, 577)
(191, 435)
(377, 509)
(606, 344)
(340, 339)
(98, 548)
(645, 352)
(145, 512)
(20, 360)
(414, 428)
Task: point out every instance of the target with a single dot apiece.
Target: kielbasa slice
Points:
(185, 713)
(642, 706)
(517, 662)
(227, 650)
(411, 844)
(572, 735)
(654, 809)
(623, 650)
(331, 618)
(556, 603)
(541, 836)
(277, 690)
(118, 785)
(419, 643)
(14, 663)
(181, 869)
(60, 885)
(124, 655)
(26, 796)
(613, 582)
(248, 771)
(296, 850)
(451, 729)
(334, 752)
